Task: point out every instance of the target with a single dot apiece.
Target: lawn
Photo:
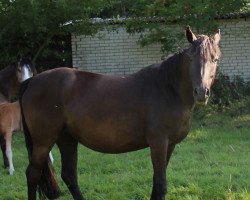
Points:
(213, 162)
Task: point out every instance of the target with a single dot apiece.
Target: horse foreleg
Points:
(8, 138)
(68, 149)
(3, 148)
(159, 150)
(35, 174)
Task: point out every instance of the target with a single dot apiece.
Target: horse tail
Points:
(28, 140)
(47, 185)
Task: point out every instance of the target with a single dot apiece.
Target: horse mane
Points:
(169, 72)
(209, 50)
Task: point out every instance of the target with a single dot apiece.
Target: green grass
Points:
(212, 163)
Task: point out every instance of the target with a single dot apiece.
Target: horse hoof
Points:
(11, 171)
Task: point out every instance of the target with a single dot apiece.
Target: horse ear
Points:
(217, 37)
(190, 35)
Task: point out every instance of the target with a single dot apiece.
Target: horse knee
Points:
(33, 175)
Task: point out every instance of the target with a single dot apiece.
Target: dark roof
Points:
(123, 20)
(234, 15)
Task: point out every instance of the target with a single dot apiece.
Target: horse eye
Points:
(215, 60)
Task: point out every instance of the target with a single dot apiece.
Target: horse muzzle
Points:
(201, 95)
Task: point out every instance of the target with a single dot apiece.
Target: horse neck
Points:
(174, 75)
(8, 82)
(185, 88)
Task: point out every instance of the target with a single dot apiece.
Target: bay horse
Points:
(12, 75)
(10, 80)
(114, 114)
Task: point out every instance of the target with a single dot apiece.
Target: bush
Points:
(225, 92)
(232, 97)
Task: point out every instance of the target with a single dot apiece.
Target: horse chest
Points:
(182, 130)
(178, 126)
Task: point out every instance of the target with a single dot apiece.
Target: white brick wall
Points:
(235, 46)
(117, 52)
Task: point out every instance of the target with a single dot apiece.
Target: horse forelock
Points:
(209, 50)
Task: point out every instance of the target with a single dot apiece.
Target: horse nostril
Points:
(207, 92)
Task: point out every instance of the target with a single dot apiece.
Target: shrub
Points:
(225, 92)
(232, 97)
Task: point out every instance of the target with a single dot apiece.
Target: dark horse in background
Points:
(114, 114)
(12, 76)
(10, 80)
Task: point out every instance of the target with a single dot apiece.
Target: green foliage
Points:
(199, 14)
(225, 92)
(228, 96)
(28, 26)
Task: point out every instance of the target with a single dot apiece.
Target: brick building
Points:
(117, 52)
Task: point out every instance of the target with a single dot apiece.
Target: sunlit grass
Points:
(213, 162)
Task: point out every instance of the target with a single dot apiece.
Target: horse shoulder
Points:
(171, 120)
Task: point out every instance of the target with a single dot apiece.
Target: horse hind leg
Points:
(68, 149)
(40, 175)
(3, 148)
(8, 138)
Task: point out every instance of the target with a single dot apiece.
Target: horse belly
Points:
(110, 134)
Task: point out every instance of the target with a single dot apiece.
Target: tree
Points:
(29, 26)
(201, 15)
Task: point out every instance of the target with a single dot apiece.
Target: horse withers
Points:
(115, 114)
(10, 80)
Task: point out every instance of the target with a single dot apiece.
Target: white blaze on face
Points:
(25, 73)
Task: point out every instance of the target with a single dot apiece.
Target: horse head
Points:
(203, 56)
(25, 68)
